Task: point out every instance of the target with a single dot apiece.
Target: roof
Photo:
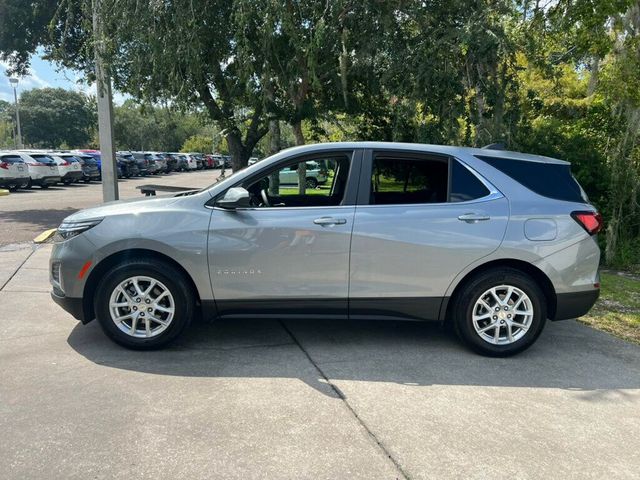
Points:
(444, 149)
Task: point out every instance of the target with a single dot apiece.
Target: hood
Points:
(121, 207)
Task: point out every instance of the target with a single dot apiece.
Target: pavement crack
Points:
(343, 397)
(17, 269)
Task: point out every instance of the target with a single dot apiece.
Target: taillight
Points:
(590, 221)
(65, 164)
(4, 165)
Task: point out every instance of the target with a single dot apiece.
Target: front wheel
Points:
(144, 304)
(311, 182)
(500, 312)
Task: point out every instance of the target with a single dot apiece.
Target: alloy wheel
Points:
(502, 315)
(141, 307)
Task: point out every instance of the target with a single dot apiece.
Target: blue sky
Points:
(46, 74)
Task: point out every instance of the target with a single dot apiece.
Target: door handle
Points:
(473, 218)
(327, 221)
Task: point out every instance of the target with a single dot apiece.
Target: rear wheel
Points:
(500, 312)
(311, 182)
(144, 304)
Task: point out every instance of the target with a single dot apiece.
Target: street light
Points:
(14, 83)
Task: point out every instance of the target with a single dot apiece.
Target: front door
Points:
(289, 252)
(425, 218)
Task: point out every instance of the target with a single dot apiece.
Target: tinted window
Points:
(547, 179)
(465, 185)
(43, 159)
(11, 159)
(407, 180)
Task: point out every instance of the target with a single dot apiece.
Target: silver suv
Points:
(494, 242)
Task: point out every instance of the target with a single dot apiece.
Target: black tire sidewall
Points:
(161, 271)
(464, 303)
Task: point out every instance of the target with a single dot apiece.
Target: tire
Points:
(468, 302)
(28, 185)
(311, 182)
(181, 298)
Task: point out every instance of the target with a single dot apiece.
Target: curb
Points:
(44, 236)
(3, 192)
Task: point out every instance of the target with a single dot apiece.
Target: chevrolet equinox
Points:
(494, 242)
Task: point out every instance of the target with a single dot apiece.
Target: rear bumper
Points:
(14, 181)
(46, 180)
(575, 304)
(72, 305)
(71, 176)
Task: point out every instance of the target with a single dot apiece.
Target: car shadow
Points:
(567, 356)
(40, 218)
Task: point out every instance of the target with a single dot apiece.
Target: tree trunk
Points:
(239, 157)
(593, 79)
(274, 147)
(302, 167)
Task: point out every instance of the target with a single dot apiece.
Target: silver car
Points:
(494, 242)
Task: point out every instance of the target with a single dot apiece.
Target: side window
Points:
(465, 185)
(324, 184)
(401, 180)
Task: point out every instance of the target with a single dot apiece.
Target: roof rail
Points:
(495, 146)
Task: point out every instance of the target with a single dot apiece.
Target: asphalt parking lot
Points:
(26, 213)
(304, 399)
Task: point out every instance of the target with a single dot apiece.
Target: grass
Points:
(617, 311)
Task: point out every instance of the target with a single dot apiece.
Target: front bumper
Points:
(74, 306)
(575, 304)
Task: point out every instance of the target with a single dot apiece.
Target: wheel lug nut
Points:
(509, 316)
(138, 300)
(497, 309)
(506, 308)
(135, 308)
(149, 310)
(142, 314)
(495, 317)
(501, 322)
(147, 301)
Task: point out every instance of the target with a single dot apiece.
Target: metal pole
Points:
(105, 114)
(15, 98)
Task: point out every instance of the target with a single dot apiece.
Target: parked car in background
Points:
(315, 175)
(170, 160)
(146, 166)
(14, 172)
(134, 166)
(182, 162)
(43, 170)
(493, 242)
(96, 156)
(157, 160)
(227, 161)
(70, 171)
(192, 163)
(199, 160)
(90, 170)
(127, 167)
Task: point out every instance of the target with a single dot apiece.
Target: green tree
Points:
(53, 116)
(198, 143)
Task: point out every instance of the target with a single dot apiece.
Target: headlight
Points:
(68, 230)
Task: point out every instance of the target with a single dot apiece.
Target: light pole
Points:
(14, 83)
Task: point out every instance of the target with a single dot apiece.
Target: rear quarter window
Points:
(550, 180)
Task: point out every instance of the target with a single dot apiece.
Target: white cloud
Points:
(33, 80)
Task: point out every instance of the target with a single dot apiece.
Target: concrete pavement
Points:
(305, 399)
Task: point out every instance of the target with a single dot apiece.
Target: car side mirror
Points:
(236, 197)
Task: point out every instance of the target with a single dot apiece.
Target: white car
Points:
(43, 170)
(315, 175)
(192, 163)
(70, 171)
(14, 173)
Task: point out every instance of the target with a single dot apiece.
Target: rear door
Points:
(421, 218)
(15, 166)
